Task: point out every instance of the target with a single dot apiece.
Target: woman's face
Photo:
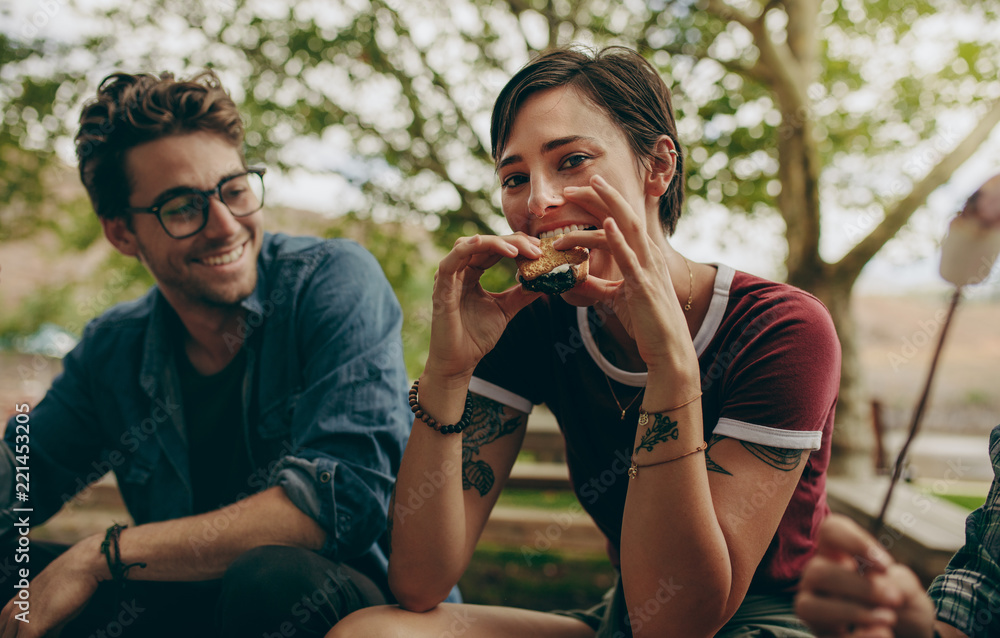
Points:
(559, 139)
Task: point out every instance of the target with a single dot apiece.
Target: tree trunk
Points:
(853, 435)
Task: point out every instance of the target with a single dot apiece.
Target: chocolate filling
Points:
(552, 283)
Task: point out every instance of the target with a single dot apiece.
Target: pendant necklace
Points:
(615, 397)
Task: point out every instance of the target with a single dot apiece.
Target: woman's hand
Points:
(644, 301)
(467, 320)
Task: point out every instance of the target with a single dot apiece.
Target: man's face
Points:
(216, 267)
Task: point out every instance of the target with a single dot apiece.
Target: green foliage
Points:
(404, 88)
(50, 304)
(77, 225)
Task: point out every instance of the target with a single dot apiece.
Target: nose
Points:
(545, 196)
(221, 223)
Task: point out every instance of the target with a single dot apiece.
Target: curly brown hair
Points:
(618, 81)
(130, 110)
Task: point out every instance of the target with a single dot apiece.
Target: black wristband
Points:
(119, 571)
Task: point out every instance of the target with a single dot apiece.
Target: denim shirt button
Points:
(324, 477)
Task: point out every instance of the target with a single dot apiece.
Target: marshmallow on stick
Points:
(973, 241)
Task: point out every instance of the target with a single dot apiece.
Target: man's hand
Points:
(59, 592)
(852, 587)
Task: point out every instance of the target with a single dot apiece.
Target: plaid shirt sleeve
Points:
(967, 595)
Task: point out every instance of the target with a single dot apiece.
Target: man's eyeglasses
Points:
(184, 213)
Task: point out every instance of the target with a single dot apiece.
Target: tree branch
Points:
(723, 11)
(850, 265)
(776, 59)
(757, 73)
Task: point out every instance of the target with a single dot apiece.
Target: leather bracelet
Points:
(118, 569)
(431, 422)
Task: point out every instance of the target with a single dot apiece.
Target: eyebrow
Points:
(181, 190)
(547, 147)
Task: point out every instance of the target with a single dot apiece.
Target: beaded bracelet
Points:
(119, 571)
(432, 422)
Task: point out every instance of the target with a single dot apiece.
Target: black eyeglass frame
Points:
(155, 209)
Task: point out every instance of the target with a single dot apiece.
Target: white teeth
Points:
(227, 258)
(563, 230)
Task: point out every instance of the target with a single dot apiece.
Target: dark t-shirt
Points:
(770, 371)
(220, 466)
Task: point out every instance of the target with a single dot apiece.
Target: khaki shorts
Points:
(760, 616)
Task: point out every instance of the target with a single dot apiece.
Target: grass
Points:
(968, 501)
(539, 499)
(544, 582)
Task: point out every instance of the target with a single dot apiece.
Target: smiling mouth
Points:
(564, 230)
(225, 258)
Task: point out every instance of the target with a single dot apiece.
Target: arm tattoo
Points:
(712, 465)
(489, 423)
(779, 458)
(663, 429)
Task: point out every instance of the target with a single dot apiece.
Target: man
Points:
(252, 404)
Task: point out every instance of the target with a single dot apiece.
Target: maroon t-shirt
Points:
(770, 372)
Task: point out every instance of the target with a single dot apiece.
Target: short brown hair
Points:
(130, 110)
(617, 80)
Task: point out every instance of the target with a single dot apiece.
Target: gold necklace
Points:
(687, 306)
(615, 397)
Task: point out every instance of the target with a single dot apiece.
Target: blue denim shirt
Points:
(325, 379)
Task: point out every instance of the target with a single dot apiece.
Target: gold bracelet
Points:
(644, 415)
(634, 470)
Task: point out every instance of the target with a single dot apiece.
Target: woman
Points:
(709, 497)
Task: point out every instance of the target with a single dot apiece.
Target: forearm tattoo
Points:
(490, 421)
(779, 458)
(663, 429)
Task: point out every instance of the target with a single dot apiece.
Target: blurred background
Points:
(827, 144)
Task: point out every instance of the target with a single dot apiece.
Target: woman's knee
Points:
(384, 621)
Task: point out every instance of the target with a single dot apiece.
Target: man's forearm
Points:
(202, 547)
